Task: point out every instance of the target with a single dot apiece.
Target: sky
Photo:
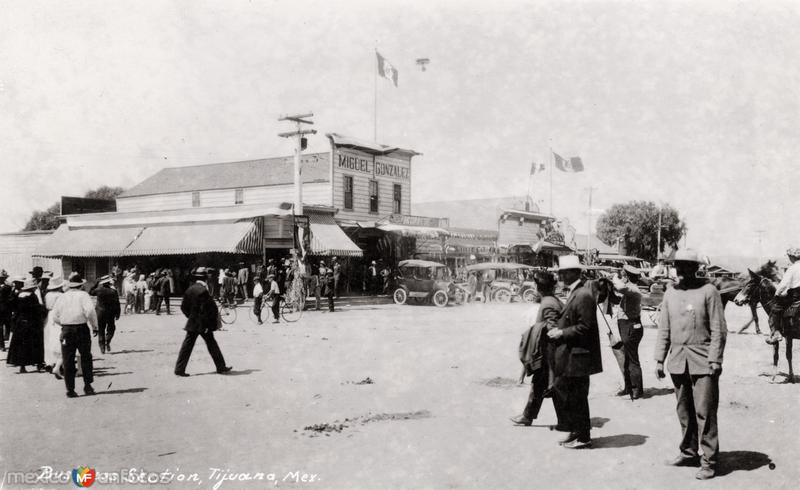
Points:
(695, 104)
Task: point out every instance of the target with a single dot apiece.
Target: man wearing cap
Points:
(6, 309)
(576, 341)
(164, 290)
(786, 293)
(628, 314)
(202, 319)
(107, 310)
(692, 328)
(273, 295)
(75, 312)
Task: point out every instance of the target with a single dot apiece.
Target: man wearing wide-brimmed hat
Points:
(27, 343)
(108, 310)
(75, 312)
(692, 328)
(6, 308)
(786, 293)
(577, 353)
(201, 319)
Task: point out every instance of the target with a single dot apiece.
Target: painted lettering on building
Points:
(391, 170)
(375, 168)
(352, 162)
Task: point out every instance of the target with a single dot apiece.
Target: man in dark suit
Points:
(108, 310)
(201, 319)
(577, 353)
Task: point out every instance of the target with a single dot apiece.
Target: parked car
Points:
(423, 280)
(509, 281)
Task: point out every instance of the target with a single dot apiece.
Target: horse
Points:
(761, 289)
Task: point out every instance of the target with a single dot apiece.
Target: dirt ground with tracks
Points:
(378, 397)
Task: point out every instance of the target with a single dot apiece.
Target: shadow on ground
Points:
(619, 441)
(243, 372)
(651, 392)
(598, 422)
(730, 461)
(130, 351)
(121, 392)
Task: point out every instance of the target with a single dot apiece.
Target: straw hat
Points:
(687, 255)
(29, 285)
(55, 283)
(75, 280)
(566, 262)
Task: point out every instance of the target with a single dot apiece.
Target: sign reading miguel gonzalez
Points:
(372, 166)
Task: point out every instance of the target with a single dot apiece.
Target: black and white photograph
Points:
(448, 244)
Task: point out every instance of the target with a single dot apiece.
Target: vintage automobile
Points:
(423, 281)
(509, 281)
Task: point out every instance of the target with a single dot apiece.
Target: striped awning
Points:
(87, 242)
(194, 238)
(327, 238)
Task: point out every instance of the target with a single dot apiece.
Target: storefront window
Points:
(348, 192)
(373, 196)
(239, 198)
(195, 199)
(397, 199)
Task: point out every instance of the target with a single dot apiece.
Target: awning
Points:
(328, 239)
(194, 238)
(470, 244)
(87, 242)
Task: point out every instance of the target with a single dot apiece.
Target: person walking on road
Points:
(164, 290)
(628, 314)
(52, 330)
(692, 328)
(6, 304)
(27, 339)
(330, 286)
(337, 275)
(107, 310)
(75, 312)
(273, 295)
(202, 318)
(577, 353)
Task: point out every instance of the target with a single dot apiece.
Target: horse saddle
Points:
(792, 309)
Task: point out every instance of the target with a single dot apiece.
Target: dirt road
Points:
(378, 397)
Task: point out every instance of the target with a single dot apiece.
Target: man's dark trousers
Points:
(76, 338)
(188, 345)
(629, 362)
(698, 399)
(573, 393)
(106, 329)
(536, 395)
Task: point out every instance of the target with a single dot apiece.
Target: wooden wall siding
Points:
(313, 193)
(364, 171)
(511, 233)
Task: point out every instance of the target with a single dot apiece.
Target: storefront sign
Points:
(376, 168)
(402, 219)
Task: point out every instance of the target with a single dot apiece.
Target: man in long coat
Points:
(692, 328)
(577, 353)
(107, 310)
(201, 319)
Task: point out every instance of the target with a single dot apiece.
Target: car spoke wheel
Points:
(530, 295)
(502, 296)
(440, 299)
(400, 296)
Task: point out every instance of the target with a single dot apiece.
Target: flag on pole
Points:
(574, 164)
(386, 70)
(537, 167)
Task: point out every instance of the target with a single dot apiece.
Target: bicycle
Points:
(227, 311)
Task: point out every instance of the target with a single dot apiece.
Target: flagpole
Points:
(375, 108)
(551, 160)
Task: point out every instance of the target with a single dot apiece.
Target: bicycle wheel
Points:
(227, 314)
(291, 312)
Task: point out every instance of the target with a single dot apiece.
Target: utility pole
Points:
(300, 144)
(589, 228)
(759, 233)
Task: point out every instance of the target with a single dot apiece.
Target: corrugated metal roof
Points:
(366, 146)
(192, 239)
(327, 238)
(233, 175)
(87, 242)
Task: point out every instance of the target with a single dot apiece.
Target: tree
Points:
(50, 218)
(636, 223)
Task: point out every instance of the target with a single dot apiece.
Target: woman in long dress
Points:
(52, 330)
(27, 340)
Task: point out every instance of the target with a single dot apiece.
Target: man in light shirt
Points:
(75, 312)
(787, 292)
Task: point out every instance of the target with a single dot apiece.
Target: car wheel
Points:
(530, 295)
(502, 296)
(400, 296)
(440, 299)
